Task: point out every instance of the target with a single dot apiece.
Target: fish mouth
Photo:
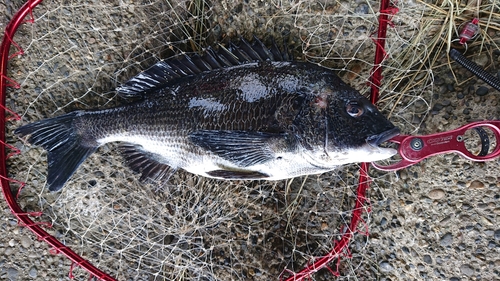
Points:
(376, 140)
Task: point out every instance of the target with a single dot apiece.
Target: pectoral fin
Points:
(240, 147)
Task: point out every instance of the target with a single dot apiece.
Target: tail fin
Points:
(64, 146)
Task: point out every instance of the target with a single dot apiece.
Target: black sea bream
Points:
(246, 112)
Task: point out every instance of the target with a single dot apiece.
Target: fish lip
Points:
(376, 140)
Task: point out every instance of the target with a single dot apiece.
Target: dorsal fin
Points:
(163, 72)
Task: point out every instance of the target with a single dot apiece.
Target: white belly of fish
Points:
(299, 163)
(177, 153)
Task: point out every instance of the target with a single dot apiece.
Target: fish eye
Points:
(354, 109)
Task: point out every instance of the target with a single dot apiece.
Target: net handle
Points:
(23, 217)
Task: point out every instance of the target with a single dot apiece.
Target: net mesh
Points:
(193, 228)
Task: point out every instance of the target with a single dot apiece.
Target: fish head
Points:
(353, 128)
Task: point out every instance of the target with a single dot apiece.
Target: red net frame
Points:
(340, 249)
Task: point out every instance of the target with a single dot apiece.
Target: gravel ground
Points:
(437, 220)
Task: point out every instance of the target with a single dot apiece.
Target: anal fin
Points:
(237, 175)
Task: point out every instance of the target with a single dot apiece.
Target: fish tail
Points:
(65, 147)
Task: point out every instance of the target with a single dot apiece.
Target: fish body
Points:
(222, 116)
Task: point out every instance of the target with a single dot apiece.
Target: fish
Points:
(241, 112)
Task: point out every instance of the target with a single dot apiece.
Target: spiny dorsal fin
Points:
(163, 72)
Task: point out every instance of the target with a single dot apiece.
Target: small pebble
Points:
(355, 70)
(471, 89)
(361, 29)
(482, 91)
(488, 232)
(467, 270)
(436, 194)
(438, 80)
(386, 267)
(12, 273)
(26, 241)
(403, 174)
(482, 60)
(437, 107)
(476, 184)
(416, 119)
(8, 252)
(420, 104)
(251, 272)
(427, 259)
(362, 9)
(486, 222)
(258, 273)
(446, 240)
(324, 226)
(33, 272)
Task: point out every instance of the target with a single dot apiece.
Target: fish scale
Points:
(220, 116)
